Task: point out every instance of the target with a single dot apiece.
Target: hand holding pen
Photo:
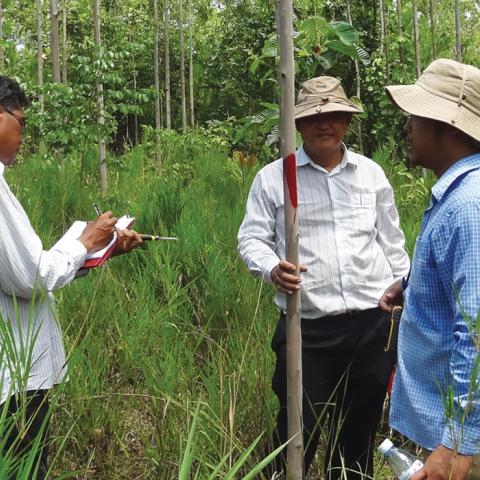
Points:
(144, 236)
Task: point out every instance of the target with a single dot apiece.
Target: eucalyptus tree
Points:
(64, 42)
(54, 41)
(190, 64)
(156, 64)
(401, 50)
(182, 66)
(100, 103)
(2, 50)
(166, 23)
(431, 15)
(416, 39)
(39, 32)
(458, 32)
(358, 81)
(383, 36)
(286, 76)
(382, 26)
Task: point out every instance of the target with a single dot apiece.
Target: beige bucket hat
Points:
(322, 95)
(447, 91)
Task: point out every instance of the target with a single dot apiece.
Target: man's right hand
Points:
(98, 233)
(392, 296)
(284, 278)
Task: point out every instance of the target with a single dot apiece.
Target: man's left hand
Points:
(127, 240)
(445, 464)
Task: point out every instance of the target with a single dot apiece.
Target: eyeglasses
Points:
(21, 120)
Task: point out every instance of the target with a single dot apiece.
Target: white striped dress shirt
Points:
(350, 239)
(31, 349)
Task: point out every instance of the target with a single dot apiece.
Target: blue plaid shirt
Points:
(436, 393)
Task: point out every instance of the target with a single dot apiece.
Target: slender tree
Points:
(287, 144)
(431, 15)
(458, 32)
(382, 27)
(102, 150)
(401, 50)
(64, 42)
(190, 66)
(383, 37)
(358, 83)
(2, 51)
(168, 110)
(416, 39)
(182, 66)
(135, 115)
(54, 43)
(156, 64)
(38, 28)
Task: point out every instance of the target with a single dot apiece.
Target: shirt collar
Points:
(2, 168)
(347, 158)
(459, 168)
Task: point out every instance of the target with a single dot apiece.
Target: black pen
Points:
(146, 237)
(97, 210)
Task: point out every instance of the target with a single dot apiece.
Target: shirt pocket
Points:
(365, 200)
(358, 215)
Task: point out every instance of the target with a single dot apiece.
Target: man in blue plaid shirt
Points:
(436, 393)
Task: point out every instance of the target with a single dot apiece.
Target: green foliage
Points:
(318, 46)
(171, 326)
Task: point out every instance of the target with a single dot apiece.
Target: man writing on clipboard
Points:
(32, 358)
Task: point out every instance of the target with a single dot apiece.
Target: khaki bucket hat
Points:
(447, 91)
(322, 95)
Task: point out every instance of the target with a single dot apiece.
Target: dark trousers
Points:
(29, 416)
(345, 377)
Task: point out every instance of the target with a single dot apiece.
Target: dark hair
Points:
(11, 94)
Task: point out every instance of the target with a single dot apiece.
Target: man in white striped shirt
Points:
(351, 249)
(32, 358)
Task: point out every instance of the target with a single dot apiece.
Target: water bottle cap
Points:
(385, 446)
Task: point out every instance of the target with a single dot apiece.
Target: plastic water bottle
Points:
(402, 463)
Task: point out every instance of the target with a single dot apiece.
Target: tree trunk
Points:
(401, 50)
(190, 67)
(416, 40)
(168, 109)
(382, 27)
(135, 116)
(2, 51)
(38, 28)
(358, 82)
(156, 65)
(64, 42)
(287, 145)
(384, 34)
(182, 67)
(458, 32)
(54, 41)
(431, 15)
(100, 104)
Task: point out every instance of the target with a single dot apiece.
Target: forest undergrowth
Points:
(169, 347)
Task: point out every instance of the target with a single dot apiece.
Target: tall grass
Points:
(169, 347)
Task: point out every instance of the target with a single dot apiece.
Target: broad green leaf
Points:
(345, 32)
(340, 47)
(254, 65)
(313, 29)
